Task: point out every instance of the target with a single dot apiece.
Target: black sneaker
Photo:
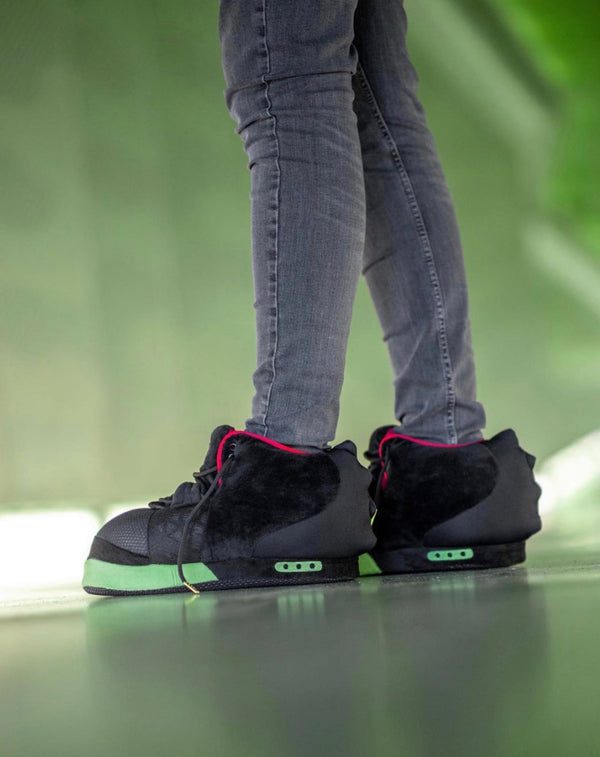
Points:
(449, 507)
(259, 513)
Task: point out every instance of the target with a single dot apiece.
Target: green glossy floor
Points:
(472, 663)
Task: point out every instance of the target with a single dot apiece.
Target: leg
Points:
(413, 260)
(288, 67)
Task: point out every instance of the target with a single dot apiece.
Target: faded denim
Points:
(345, 179)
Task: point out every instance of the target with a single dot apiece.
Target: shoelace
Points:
(206, 481)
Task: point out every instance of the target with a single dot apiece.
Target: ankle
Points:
(299, 447)
(437, 440)
(306, 448)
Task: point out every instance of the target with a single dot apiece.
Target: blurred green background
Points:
(127, 326)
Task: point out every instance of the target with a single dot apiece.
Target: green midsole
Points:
(367, 565)
(106, 575)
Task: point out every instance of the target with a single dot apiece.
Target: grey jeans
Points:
(345, 179)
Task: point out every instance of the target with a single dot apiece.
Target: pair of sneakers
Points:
(260, 513)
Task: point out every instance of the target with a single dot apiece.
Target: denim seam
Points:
(428, 254)
(374, 262)
(275, 260)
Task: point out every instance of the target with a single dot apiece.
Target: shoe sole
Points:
(112, 579)
(430, 559)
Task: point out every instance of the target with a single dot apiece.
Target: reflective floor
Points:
(471, 663)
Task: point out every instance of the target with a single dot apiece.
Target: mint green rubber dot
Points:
(450, 555)
(299, 566)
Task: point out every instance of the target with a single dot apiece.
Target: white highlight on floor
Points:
(44, 548)
(569, 472)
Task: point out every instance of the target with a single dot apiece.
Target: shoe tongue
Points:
(375, 441)
(215, 439)
(348, 445)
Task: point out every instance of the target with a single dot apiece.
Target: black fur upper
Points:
(429, 485)
(264, 490)
(481, 493)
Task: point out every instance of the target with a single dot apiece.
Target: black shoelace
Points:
(205, 483)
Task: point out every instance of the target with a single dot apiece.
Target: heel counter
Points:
(341, 529)
(509, 513)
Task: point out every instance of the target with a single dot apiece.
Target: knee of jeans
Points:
(316, 91)
(245, 109)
